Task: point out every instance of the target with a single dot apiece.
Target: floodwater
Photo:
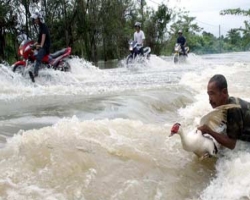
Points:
(102, 134)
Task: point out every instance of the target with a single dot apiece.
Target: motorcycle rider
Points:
(139, 37)
(22, 35)
(182, 41)
(43, 42)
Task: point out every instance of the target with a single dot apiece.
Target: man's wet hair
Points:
(220, 81)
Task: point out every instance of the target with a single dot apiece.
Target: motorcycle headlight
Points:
(130, 48)
(21, 52)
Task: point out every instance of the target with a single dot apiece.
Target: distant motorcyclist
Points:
(43, 42)
(22, 36)
(182, 41)
(139, 37)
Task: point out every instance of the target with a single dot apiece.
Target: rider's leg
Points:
(141, 51)
(183, 50)
(137, 51)
(41, 53)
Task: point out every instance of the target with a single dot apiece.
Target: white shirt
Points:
(139, 37)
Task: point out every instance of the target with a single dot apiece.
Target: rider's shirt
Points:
(181, 40)
(43, 29)
(238, 120)
(139, 37)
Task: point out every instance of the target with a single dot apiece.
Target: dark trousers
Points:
(139, 51)
(183, 49)
(41, 53)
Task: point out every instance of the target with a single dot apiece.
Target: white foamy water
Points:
(103, 134)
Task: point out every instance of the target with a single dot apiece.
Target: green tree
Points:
(236, 42)
(156, 28)
(190, 31)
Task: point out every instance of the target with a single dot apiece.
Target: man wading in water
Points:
(238, 119)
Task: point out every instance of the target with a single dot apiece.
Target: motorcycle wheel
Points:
(64, 66)
(148, 56)
(176, 59)
(18, 69)
(129, 60)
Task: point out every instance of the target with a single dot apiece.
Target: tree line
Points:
(100, 29)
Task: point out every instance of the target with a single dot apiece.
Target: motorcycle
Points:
(27, 50)
(135, 53)
(178, 54)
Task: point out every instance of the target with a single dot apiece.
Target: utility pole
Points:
(142, 5)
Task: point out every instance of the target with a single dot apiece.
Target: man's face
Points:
(216, 96)
(36, 21)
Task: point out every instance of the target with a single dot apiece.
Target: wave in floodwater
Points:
(103, 133)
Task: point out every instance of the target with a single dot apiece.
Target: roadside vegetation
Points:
(100, 29)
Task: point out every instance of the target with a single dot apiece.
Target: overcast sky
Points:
(207, 12)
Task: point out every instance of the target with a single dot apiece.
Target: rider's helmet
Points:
(138, 24)
(35, 16)
(180, 31)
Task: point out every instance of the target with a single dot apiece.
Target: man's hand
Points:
(224, 140)
(205, 129)
(38, 46)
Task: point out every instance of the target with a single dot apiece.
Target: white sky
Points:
(207, 13)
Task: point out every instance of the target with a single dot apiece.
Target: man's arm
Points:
(222, 139)
(42, 40)
(143, 38)
(178, 40)
(142, 42)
